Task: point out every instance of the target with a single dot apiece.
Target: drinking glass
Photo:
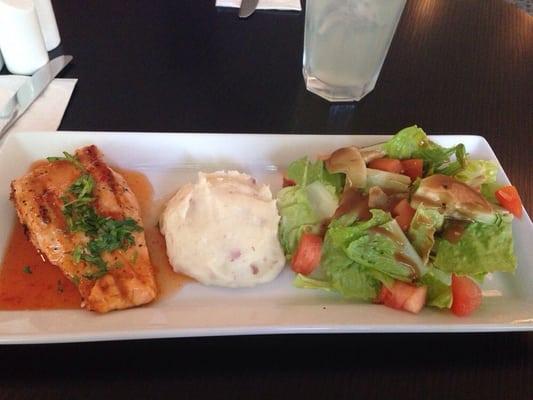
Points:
(345, 44)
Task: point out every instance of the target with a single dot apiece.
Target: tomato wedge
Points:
(307, 255)
(509, 198)
(417, 301)
(413, 168)
(403, 296)
(466, 295)
(288, 182)
(403, 214)
(397, 295)
(387, 164)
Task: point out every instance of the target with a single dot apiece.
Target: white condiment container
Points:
(21, 40)
(47, 20)
(1, 61)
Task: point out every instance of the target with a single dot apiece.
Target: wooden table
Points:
(455, 66)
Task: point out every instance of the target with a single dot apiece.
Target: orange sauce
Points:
(30, 282)
(168, 280)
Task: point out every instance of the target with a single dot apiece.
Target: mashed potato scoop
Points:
(223, 231)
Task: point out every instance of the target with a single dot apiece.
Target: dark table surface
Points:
(455, 66)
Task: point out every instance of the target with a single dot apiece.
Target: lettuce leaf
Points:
(478, 172)
(304, 172)
(350, 283)
(482, 174)
(439, 284)
(488, 191)
(438, 159)
(297, 217)
(396, 183)
(306, 205)
(406, 143)
(323, 199)
(424, 224)
(412, 142)
(377, 252)
(482, 248)
(344, 230)
(358, 257)
(343, 275)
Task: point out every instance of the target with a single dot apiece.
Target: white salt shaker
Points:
(21, 41)
(47, 20)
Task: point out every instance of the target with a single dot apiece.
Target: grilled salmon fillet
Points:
(128, 280)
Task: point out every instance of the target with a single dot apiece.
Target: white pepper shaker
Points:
(47, 20)
(21, 41)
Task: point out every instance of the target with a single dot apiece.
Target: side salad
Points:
(406, 223)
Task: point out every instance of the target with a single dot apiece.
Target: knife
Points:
(247, 8)
(30, 91)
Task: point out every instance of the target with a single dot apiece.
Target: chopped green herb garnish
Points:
(67, 157)
(82, 187)
(76, 254)
(27, 269)
(105, 234)
(77, 208)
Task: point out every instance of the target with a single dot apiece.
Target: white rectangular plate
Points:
(169, 160)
